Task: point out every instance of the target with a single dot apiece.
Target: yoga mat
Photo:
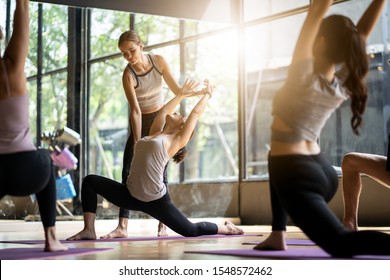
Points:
(38, 253)
(297, 242)
(147, 238)
(291, 253)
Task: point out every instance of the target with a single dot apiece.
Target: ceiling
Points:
(223, 11)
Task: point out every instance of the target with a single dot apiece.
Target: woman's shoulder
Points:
(159, 60)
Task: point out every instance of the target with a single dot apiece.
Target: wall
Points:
(250, 201)
(374, 203)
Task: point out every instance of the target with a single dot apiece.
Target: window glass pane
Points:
(155, 30)
(193, 27)
(108, 118)
(254, 9)
(32, 91)
(213, 151)
(54, 37)
(107, 26)
(268, 50)
(54, 101)
(3, 12)
(32, 61)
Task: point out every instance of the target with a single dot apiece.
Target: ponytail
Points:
(357, 64)
(180, 155)
(346, 45)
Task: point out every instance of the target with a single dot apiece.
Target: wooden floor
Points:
(136, 250)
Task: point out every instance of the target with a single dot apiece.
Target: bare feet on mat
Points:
(229, 228)
(54, 246)
(162, 230)
(119, 232)
(83, 235)
(275, 241)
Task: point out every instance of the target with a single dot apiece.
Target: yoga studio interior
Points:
(78, 105)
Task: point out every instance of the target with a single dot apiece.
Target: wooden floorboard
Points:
(138, 250)
(134, 250)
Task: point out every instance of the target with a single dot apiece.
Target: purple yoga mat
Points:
(129, 239)
(298, 242)
(38, 253)
(291, 253)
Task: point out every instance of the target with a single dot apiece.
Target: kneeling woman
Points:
(145, 190)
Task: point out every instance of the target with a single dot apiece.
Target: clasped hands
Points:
(189, 88)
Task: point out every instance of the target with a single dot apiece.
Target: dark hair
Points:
(346, 45)
(180, 155)
(129, 35)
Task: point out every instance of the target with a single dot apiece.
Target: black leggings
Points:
(161, 209)
(147, 121)
(301, 187)
(32, 172)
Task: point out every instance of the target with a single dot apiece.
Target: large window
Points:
(253, 61)
(213, 149)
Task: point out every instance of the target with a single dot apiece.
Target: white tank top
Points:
(148, 86)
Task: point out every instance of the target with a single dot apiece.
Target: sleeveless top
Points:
(148, 86)
(145, 181)
(306, 101)
(14, 125)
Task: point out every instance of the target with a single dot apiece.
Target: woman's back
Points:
(14, 125)
(145, 181)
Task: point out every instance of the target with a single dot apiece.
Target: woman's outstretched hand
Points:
(208, 88)
(188, 88)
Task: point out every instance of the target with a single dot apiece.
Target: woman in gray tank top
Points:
(302, 181)
(168, 135)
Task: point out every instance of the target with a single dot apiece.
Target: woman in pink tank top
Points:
(24, 170)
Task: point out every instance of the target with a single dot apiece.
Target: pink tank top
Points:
(14, 125)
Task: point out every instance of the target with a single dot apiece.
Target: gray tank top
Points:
(145, 181)
(148, 86)
(306, 101)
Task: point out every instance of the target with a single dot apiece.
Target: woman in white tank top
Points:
(142, 82)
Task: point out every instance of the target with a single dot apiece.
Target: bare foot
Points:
(83, 235)
(162, 230)
(119, 232)
(54, 246)
(350, 225)
(275, 241)
(233, 229)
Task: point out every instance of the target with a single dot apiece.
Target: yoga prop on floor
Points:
(38, 253)
(306, 253)
(130, 239)
(292, 242)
